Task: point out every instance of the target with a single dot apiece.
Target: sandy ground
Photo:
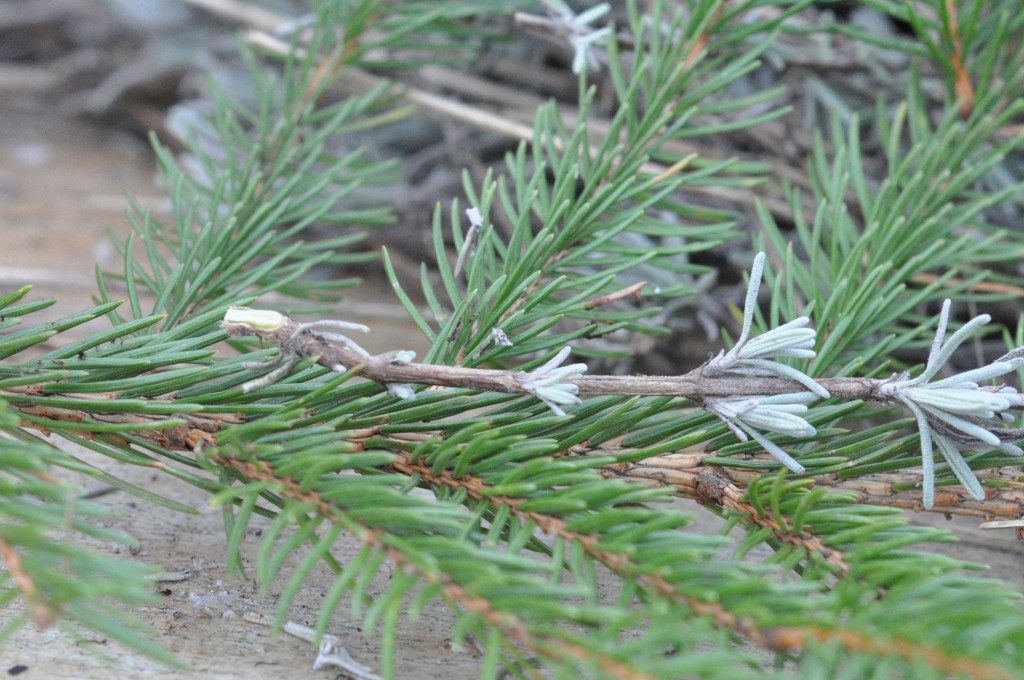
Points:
(61, 185)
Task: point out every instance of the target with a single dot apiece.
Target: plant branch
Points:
(951, 663)
(711, 486)
(194, 431)
(682, 471)
(290, 336)
(299, 340)
(690, 476)
(618, 562)
(509, 624)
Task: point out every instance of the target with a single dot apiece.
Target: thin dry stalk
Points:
(42, 614)
(962, 85)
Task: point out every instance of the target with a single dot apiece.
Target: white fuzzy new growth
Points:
(953, 414)
(753, 357)
(958, 405)
(547, 382)
(582, 36)
(779, 414)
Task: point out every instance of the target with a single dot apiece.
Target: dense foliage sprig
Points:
(540, 475)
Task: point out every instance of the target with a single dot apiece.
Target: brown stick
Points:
(289, 336)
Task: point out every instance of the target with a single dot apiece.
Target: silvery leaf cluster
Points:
(781, 414)
(401, 390)
(547, 382)
(958, 413)
(755, 356)
(582, 36)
